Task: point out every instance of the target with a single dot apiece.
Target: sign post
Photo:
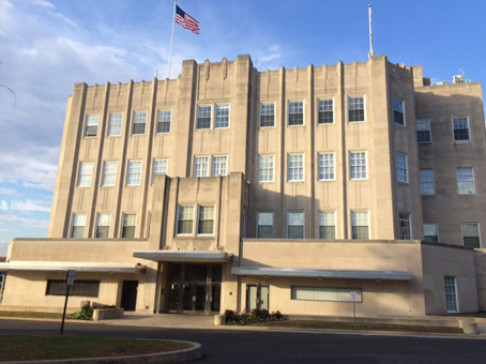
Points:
(354, 298)
(69, 282)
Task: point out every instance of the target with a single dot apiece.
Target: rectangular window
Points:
(109, 174)
(325, 166)
(357, 165)
(203, 117)
(327, 225)
(92, 122)
(163, 121)
(205, 224)
(431, 233)
(79, 222)
(325, 111)
(139, 122)
(134, 174)
(427, 184)
(423, 131)
(222, 116)
(465, 181)
(461, 128)
(471, 235)
(451, 294)
(327, 294)
(295, 167)
(129, 224)
(220, 165)
(159, 169)
(296, 113)
(398, 112)
(265, 168)
(185, 220)
(57, 287)
(265, 225)
(201, 166)
(267, 115)
(356, 109)
(115, 124)
(404, 225)
(360, 225)
(401, 161)
(103, 226)
(295, 224)
(85, 174)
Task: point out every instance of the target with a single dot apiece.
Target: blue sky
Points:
(48, 45)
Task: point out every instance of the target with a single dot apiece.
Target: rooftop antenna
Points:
(370, 14)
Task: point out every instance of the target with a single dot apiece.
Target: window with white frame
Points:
(326, 294)
(327, 225)
(295, 167)
(159, 168)
(325, 111)
(357, 165)
(109, 174)
(423, 131)
(222, 117)
(296, 113)
(265, 168)
(431, 233)
(471, 235)
(265, 225)
(427, 184)
(79, 222)
(203, 117)
(356, 109)
(92, 122)
(325, 165)
(465, 181)
(185, 220)
(85, 174)
(220, 165)
(295, 224)
(129, 225)
(163, 121)
(398, 111)
(405, 225)
(201, 166)
(103, 226)
(267, 115)
(139, 122)
(205, 224)
(461, 128)
(401, 162)
(134, 173)
(115, 124)
(360, 228)
(451, 294)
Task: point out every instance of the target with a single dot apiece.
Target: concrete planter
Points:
(469, 327)
(107, 313)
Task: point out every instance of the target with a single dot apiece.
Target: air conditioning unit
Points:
(458, 79)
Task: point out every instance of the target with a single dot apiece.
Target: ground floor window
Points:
(450, 294)
(327, 294)
(57, 287)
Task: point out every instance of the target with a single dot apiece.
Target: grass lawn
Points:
(28, 347)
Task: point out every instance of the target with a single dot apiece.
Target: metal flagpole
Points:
(171, 39)
(370, 12)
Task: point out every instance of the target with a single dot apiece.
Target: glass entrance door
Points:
(257, 297)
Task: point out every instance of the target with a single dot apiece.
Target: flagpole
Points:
(171, 39)
(370, 15)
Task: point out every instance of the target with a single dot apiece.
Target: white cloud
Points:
(30, 206)
(269, 58)
(8, 192)
(3, 205)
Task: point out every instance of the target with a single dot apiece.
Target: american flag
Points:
(186, 20)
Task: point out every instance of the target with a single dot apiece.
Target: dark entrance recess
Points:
(129, 295)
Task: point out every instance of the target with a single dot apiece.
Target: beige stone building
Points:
(298, 190)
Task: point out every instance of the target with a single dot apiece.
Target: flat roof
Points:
(77, 266)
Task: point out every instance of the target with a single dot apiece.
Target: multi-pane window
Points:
(159, 168)
(327, 225)
(92, 122)
(423, 131)
(220, 165)
(265, 168)
(103, 226)
(431, 232)
(163, 121)
(85, 174)
(115, 124)
(206, 220)
(267, 115)
(295, 224)
(325, 165)
(357, 165)
(471, 235)
(465, 181)
(325, 111)
(461, 128)
(402, 167)
(450, 294)
(139, 122)
(356, 109)
(265, 225)
(134, 174)
(404, 225)
(427, 184)
(109, 174)
(185, 219)
(79, 222)
(128, 227)
(295, 167)
(327, 294)
(203, 117)
(360, 225)
(201, 166)
(57, 287)
(221, 119)
(296, 113)
(398, 112)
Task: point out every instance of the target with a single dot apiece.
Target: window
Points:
(163, 121)
(470, 235)
(221, 119)
(57, 287)
(267, 115)
(103, 226)
(109, 174)
(220, 163)
(139, 122)
(427, 184)
(450, 294)
(360, 225)
(402, 167)
(134, 174)
(295, 167)
(205, 224)
(92, 122)
(423, 131)
(201, 166)
(398, 112)
(356, 110)
(185, 220)
(327, 294)
(327, 225)
(325, 166)
(79, 222)
(203, 117)
(115, 124)
(357, 165)
(325, 111)
(265, 168)
(159, 168)
(431, 233)
(265, 225)
(85, 174)
(129, 224)
(404, 225)
(465, 181)
(296, 113)
(295, 224)
(461, 128)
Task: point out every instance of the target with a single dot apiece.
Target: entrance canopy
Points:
(105, 267)
(185, 256)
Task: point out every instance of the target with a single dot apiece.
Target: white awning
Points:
(77, 266)
(185, 256)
